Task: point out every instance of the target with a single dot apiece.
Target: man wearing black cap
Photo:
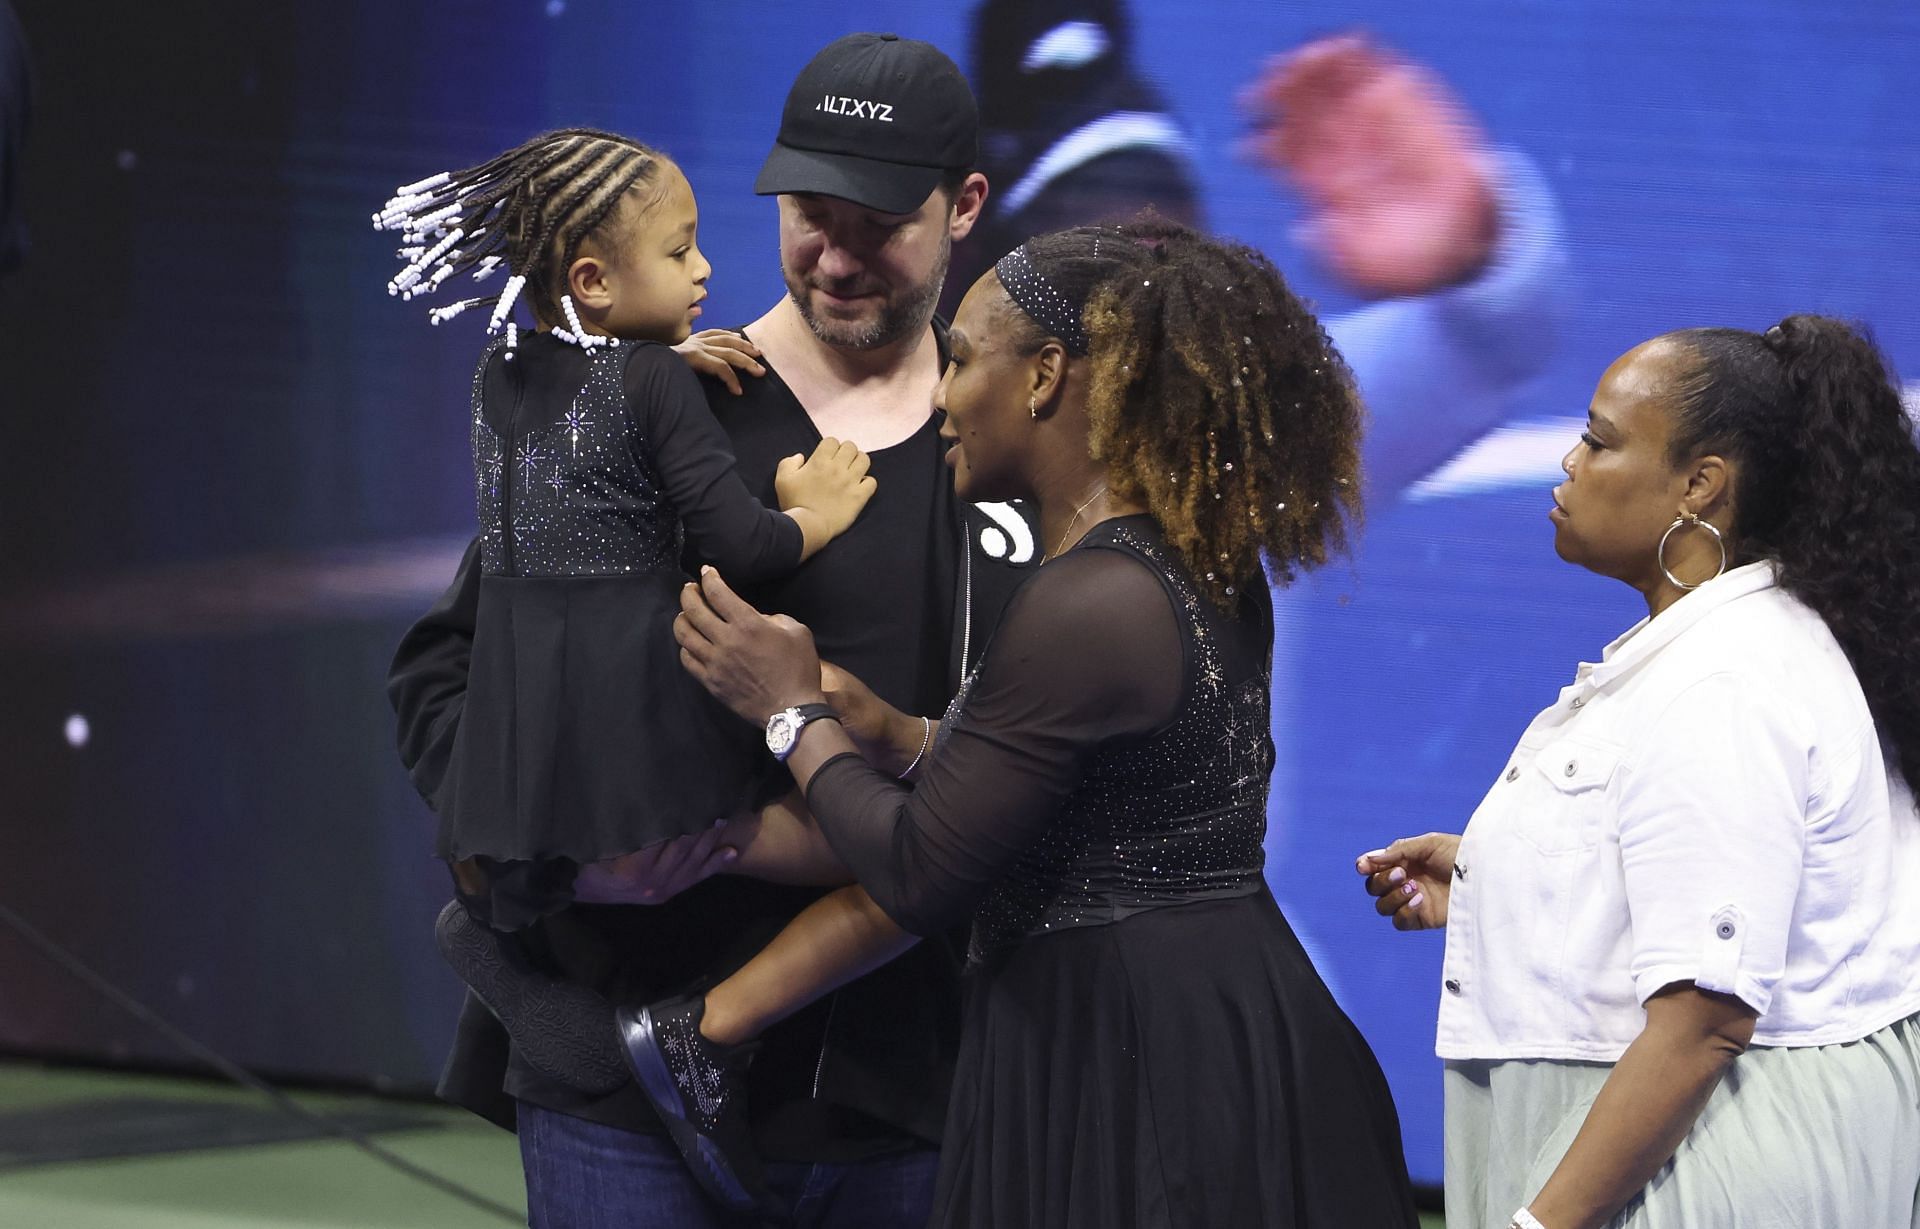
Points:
(873, 171)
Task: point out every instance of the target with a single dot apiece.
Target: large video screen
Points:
(233, 469)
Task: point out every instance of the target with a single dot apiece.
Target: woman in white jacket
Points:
(1682, 977)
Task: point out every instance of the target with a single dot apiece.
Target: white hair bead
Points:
(451, 310)
(397, 213)
(437, 216)
(431, 181)
(415, 271)
(508, 294)
(578, 335)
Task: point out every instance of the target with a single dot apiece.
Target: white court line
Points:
(1519, 455)
(1527, 454)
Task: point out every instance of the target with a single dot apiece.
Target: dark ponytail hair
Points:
(1828, 487)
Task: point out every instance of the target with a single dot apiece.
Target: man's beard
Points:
(900, 316)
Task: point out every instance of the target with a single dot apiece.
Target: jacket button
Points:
(1573, 766)
(1453, 985)
(1513, 774)
(1459, 870)
(1724, 930)
(1578, 702)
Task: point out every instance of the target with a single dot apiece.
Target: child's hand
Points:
(832, 484)
(718, 352)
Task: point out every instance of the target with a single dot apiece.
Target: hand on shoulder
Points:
(722, 354)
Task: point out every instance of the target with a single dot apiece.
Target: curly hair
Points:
(529, 208)
(1215, 397)
(1827, 486)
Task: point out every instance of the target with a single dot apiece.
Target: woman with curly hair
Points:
(1682, 933)
(1144, 1042)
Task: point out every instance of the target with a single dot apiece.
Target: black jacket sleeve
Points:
(427, 683)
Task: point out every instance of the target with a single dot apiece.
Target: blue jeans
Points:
(582, 1175)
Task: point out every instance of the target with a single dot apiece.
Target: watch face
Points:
(780, 733)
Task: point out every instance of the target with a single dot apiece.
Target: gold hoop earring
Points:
(1691, 521)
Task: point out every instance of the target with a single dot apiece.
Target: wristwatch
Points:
(783, 728)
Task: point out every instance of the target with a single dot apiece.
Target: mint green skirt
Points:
(1800, 1138)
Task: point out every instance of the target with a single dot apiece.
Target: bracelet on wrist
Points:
(1524, 1219)
(926, 740)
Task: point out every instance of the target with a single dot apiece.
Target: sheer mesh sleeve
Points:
(726, 526)
(1089, 652)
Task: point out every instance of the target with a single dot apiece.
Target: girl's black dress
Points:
(581, 736)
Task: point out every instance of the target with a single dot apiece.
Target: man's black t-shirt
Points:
(879, 598)
(866, 1070)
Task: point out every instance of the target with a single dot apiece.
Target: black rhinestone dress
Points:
(1145, 1043)
(582, 737)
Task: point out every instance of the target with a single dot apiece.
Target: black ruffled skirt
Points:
(582, 738)
(1183, 1067)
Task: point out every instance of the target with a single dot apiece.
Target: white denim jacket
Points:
(1709, 803)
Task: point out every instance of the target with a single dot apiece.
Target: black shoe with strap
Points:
(699, 1088)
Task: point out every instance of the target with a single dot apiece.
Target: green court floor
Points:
(314, 1184)
(320, 1184)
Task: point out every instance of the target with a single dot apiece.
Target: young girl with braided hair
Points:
(597, 467)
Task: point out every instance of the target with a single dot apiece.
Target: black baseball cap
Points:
(875, 119)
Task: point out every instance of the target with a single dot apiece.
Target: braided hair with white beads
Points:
(525, 212)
